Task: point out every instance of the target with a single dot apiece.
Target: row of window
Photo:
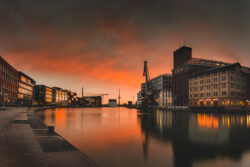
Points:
(223, 78)
(216, 86)
(7, 70)
(223, 93)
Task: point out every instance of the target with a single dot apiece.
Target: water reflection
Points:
(200, 137)
(127, 137)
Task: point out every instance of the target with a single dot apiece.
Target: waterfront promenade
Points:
(24, 141)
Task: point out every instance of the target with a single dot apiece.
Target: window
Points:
(224, 93)
(215, 79)
(215, 86)
(215, 93)
(208, 80)
(208, 87)
(201, 88)
(224, 85)
(223, 78)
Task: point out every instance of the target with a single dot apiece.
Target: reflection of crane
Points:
(148, 93)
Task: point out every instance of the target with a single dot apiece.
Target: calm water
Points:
(120, 137)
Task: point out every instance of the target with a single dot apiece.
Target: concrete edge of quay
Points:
(26, 142)
(53, 143)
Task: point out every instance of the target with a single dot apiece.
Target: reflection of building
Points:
(25, 89)
(221, 86)
(112, 103)
(197, 137)
(184, 66)
(8, 83)
(43, 95)
(204, 128)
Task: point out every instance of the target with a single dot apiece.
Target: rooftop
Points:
(225, 67)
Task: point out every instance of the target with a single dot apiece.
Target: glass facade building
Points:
(43, 95)
(25, 89)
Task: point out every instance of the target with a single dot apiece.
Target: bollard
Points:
(51, 128)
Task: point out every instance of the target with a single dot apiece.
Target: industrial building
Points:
(25, 89)
(224, 86)
(139, 99)
(8, 83)
(95, 101)
(112, 103)
(43, 95)
(184, 67)
(162, 90)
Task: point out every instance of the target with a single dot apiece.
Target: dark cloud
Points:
(118, 35)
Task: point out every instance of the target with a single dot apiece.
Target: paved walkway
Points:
(25, 142)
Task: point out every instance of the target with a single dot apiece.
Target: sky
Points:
(101, 45)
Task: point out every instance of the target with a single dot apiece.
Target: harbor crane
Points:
(148, 93)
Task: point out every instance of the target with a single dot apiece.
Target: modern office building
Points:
(43, 95)
(25, 89)
(224, 86)
(65, 97)
(57, 96)
(8, 83)
(184, 67)
(72, 98)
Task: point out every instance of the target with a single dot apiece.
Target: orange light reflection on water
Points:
(208, 121)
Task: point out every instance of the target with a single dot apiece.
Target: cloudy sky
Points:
(101, 45)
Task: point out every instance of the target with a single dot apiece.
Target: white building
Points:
(162, 85)
(139, 100)
(165, 98)
(112, 102)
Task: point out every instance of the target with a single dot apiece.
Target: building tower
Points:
(119, 98)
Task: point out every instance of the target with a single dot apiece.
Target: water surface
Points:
(120, 137)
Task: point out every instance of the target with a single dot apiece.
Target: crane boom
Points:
(145, 72)
(148, 93)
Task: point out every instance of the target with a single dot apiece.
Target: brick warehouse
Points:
(8, 83)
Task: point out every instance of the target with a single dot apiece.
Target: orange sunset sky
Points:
(101, 45)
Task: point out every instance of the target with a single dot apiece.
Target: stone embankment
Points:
(25, 142)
